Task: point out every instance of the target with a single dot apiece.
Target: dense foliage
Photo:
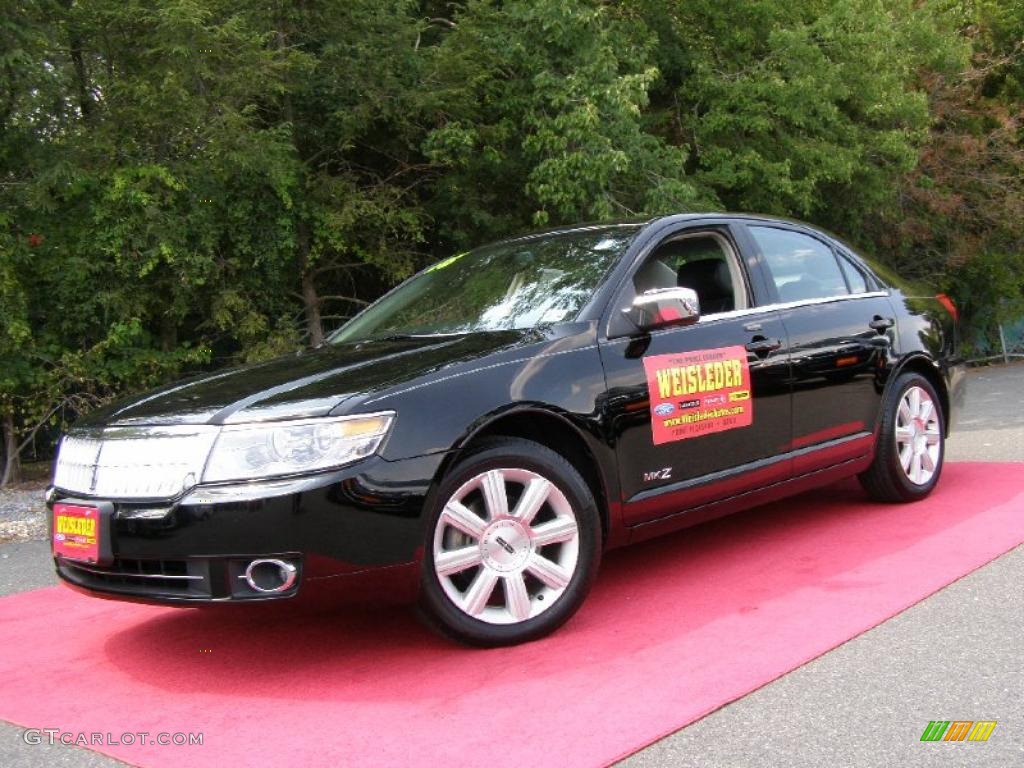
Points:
(186, 183)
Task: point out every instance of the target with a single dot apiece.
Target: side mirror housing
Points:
(664, 308)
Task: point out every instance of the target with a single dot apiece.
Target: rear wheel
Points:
(512, 545)
(911, 444)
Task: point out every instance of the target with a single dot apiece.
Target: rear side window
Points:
(802, 267)
(854, 277)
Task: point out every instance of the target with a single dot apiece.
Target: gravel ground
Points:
(22, 512)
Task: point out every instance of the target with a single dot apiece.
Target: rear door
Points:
(841, 330)
(703, 411)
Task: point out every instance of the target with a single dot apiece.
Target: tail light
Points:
(950, 307)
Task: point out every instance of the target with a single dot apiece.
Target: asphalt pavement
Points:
(959, 654)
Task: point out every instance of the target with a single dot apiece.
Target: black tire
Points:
(886, 479)
(446, 600)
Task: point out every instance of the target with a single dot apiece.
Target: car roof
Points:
(642, 222)
(881, 274)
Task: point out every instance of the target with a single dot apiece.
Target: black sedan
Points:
(498, 421)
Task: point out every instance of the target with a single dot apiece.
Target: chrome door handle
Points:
(881, 324)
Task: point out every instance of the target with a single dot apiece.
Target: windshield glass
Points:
(509, 285)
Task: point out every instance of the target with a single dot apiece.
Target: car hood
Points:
(304, 385)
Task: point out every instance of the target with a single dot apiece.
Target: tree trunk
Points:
(85, 102)
(310, 297)
(12, 462)
(303, 236)
(168, 332)
(312, 305)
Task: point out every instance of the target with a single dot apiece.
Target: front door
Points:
(703, 411)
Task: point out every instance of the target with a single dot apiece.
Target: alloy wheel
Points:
(506, 545)
(918, 436)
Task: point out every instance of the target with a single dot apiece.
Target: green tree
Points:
(187, 183)
(959, 218)
(191, 179)
(806, 109)
(538, 111)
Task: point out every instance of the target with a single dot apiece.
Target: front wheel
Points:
(513, 545)
(911, 444)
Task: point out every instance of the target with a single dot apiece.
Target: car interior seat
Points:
(711, 280)
(701, 266)
(654, 274)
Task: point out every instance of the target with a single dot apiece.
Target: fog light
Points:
(269, 575)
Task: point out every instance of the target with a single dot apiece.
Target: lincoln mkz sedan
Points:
(498, 421)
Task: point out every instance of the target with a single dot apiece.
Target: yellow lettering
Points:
(692, 379)
(76, 526)
(708, 376)
(664, 383)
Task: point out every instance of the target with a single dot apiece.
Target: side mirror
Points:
(664, 308)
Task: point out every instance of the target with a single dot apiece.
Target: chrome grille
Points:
(134, 462)
(76, 462)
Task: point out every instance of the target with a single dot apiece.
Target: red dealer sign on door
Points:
(698, 393)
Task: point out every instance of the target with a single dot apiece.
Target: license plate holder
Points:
(80, 531)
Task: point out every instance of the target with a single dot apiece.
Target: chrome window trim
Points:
(783, 305)
(777, 307)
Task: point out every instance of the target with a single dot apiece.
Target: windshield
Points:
(509, 285)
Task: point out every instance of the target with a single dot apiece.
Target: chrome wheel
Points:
(506, 546)
(918, 435)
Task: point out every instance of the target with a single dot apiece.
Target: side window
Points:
(704, 263)
(801, 266)
(854, 277)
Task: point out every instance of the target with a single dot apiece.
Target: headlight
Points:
(257, 451)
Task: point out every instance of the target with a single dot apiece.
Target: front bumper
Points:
(195, 549)
(193, 579)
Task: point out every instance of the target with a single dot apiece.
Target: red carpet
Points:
(673, 630)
